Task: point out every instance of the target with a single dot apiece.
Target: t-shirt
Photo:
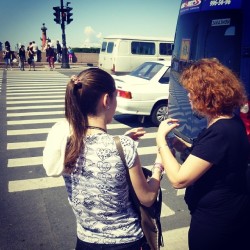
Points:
(221, 192)
(99, 193)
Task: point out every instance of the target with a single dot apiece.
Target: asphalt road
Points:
(35, 213)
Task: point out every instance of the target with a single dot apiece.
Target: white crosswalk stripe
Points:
(39, 100)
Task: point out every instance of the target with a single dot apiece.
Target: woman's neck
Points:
(95, 124)
(212, 120)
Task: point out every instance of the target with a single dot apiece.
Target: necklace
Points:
(98, 128)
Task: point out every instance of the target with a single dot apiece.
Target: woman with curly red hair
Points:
(214, 174)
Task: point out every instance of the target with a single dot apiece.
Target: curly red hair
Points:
(214, 89)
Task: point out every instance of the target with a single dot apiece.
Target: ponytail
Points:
(83, 93)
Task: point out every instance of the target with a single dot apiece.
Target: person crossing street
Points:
(50, 56)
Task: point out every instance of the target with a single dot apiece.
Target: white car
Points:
(145, 91)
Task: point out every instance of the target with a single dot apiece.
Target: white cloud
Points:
(99, 35)
(91, 37)
(88, 31)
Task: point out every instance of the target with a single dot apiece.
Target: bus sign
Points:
(188, 6)
(221, 4)
(221, 22)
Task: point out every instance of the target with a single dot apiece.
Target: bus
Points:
(122, 54)
(208, 29)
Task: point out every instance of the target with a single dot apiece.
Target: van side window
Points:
(110, 47)
(104, 45)
(166, 48)
(143, 48)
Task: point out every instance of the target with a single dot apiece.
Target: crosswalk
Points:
(23, 104)
(34, 102)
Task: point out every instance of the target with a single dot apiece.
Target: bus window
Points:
(230, 31)
(225, 37)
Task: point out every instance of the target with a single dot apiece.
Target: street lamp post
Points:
(63, 15)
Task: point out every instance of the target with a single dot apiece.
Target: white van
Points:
(122, 54)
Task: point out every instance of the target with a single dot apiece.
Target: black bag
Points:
(149, 216)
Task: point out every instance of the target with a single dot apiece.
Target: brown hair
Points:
(81, 99)
(214, 88)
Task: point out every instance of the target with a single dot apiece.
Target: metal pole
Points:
(65, 58)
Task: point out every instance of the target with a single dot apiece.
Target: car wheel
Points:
(159, 113)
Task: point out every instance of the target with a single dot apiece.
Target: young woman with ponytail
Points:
(81, 150)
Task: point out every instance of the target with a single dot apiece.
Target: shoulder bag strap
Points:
(132, 193)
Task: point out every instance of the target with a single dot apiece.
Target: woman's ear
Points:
(105, 101)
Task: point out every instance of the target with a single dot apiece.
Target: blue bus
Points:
(205, 29)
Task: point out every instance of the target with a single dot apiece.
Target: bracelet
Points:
(159, 148)
(158, 166)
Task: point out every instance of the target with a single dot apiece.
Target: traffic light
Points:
(69, 19)
(64, 15)
(57, 18)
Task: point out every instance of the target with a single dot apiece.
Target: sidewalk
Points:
(45, 65)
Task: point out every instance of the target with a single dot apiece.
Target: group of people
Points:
(214, 173)
(30, 55)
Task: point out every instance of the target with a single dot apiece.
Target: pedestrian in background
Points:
(7, 45)
(70, 54)
(215, 172)
(58, 51)
(22, 57)
(7, 56)
(31, 53)
(50, 53)
(35, 50)
(85, 154)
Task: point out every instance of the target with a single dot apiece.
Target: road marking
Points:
(34, 184)
(147, 150)
(23, 122)
(26, 91)
(44, 92)
(28, 131)
(176, 239)
(166, 210)
(35, 87)
(35, 113)
(33, 101)
(36, 97)
(181, 192)
(149, 135)
(35, 107)
(25, 145)
(25, 161)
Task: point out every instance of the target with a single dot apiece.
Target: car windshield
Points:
(147, 70)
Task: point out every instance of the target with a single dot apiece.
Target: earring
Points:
(108, 107)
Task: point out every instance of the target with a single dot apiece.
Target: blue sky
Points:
(92, 19)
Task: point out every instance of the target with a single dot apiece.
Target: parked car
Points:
(145, 91)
